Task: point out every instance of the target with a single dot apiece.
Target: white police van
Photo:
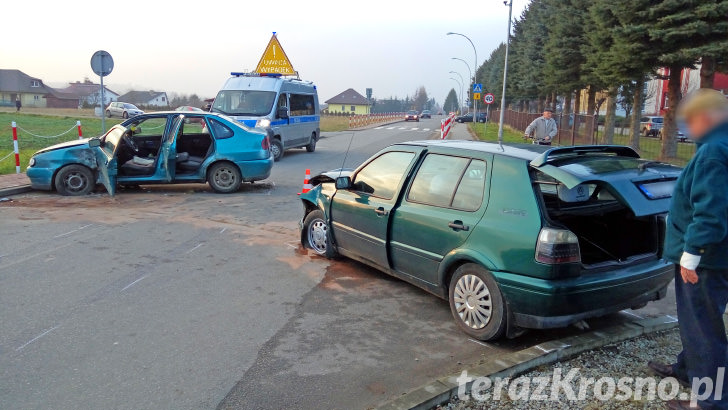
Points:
(289, 106)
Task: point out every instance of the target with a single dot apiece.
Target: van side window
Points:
(219, 130)
(301, 104)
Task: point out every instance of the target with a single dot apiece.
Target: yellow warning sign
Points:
(476, 96)
(275, 60)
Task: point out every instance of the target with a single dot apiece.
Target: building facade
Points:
(348, 102)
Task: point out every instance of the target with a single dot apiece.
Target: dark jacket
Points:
(698, 221)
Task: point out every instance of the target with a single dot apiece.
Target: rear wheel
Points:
(476, 303)
(74, 180)
(316, 234)
(276, 148)
(311, 147)
(224, 177)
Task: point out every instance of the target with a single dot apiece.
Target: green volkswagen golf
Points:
(514, 237)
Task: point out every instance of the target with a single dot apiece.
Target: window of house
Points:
(163, 99)
(35, 83)
(353, 108)
(343, 108)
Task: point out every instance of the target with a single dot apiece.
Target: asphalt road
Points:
(173, 297)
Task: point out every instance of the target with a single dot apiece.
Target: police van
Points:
(289, 106)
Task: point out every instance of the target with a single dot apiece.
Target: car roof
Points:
(527, 152)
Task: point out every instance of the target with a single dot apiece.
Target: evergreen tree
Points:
(451, 102)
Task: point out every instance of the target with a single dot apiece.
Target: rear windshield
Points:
(657, 120)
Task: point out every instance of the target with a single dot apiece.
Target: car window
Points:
(469, 195)
(219, 130)
(657, 120)
(148, 127)
(437, 179)
(644, 119)
(301, 104)
(195, 125)
(382, 176)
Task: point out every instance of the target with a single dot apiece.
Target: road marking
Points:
(191, 250)
(480, 343)
(391, 128)
(70, 232)
(378, 128)
(223, 230)
(133, 283)
(403, 128)
(415, 129)
(36, 338)
(425, 129)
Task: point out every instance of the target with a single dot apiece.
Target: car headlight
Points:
(31, 162)
(263, 123)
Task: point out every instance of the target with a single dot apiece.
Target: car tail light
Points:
(265, 144)
(557, 246)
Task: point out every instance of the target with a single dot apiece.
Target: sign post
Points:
(102, 64)
(488, 99)
(275, 60)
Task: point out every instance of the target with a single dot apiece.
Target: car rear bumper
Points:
(256, 170)
(541, 304)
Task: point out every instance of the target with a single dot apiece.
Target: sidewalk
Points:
(13, 184)
(459, 132)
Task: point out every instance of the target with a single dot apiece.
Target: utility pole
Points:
(505, 72)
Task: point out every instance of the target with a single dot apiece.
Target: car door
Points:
(360, 215)
(168, 153)
(280, 125)
(445, 201)
(105, 154)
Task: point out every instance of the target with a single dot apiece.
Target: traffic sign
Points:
(476, 96)
(101, 63)
(275, 60)
(488, 98)
(478, 88)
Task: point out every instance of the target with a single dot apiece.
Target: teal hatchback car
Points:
(514, 237)
(158, 148)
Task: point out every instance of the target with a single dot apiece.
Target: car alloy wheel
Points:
(473, 301)
(317, 232)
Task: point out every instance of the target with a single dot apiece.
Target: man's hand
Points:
(688, 275)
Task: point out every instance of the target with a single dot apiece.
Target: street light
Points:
(466, 64)
(475, 79)
(505, 72)
(462, 89)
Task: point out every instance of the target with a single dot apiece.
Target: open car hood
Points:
(644, 186)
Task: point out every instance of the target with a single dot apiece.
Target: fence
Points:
(587, 129)
(30, 141)
(357, 121)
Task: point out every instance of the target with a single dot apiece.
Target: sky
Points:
(190, 47)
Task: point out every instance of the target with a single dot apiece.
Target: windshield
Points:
(657, 120)
(244, 103)
(411, 112)
(111, 140)
(130, 106)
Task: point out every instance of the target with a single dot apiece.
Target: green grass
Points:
(331, 123)
(43, 125)
(489, 133)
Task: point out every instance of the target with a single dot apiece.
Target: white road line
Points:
(403, 128)
(391, 128)
(223, 230)
(191, 250)
(415, 129)
(425, 129)
(378, 128)
(133, 283)
(480, 343)
(36, 338)
(70, 232)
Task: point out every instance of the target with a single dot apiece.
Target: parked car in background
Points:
(465, 118)
(188, 108)
(412, 115)
(515, 237)
(650, 126)
(482, 117)
(426, 114)
(123, 110)
(158, 148)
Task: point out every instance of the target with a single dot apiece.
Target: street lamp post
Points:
(505, 72)
(468, 65)
(475, 79)
(462, 89)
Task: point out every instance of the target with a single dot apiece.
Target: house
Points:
(89, 93)
(16, 84)
(147, 98)
(59, 99)
(656, 101)
(348, 102)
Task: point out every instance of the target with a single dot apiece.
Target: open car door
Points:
(168, 153)
(105, 149)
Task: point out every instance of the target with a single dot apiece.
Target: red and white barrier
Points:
(15, 148)
(445, 126)
(80, 134)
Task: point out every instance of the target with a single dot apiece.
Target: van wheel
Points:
(316, 234)
(224, 177)
(74, 180)
(476, 303)
(276, 147)
(311, 147)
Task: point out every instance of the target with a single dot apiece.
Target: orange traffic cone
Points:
(306, 184)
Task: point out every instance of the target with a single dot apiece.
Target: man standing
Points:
(697, 242)
(542, 129)
(17, 104)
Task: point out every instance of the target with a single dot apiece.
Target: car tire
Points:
(224, 177)
(477, 304)
(125, 115)
(108, 113)
(316, 234)
(311, 147)
(74, 180)
(276, 148)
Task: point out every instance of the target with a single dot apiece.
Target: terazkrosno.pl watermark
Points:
(571, 387)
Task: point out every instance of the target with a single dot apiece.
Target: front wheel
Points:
(316, 234)
(311, 147)
(74, 180)
(276, 148)
(108, 113)
(224, 177)
(125, 114)
(476, 303)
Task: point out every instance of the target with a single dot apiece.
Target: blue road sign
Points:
(478, 88)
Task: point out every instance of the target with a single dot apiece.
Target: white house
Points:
(147, 98)
(89, 93)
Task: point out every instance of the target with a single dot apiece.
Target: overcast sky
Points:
(191, 47)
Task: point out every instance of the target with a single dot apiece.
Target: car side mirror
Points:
(94, 142)
(343, 183)
(283, 112)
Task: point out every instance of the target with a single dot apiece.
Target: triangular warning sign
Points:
(275, 60)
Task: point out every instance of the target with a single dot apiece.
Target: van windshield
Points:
(244, 103)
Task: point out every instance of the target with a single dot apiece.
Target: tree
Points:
(451, 101)
(420, 99)
(491, 73)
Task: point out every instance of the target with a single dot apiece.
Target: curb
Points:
(16, 190)
(445, 388)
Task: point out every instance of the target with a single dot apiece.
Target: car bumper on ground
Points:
(541, 304)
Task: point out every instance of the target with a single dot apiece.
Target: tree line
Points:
(560, 47)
